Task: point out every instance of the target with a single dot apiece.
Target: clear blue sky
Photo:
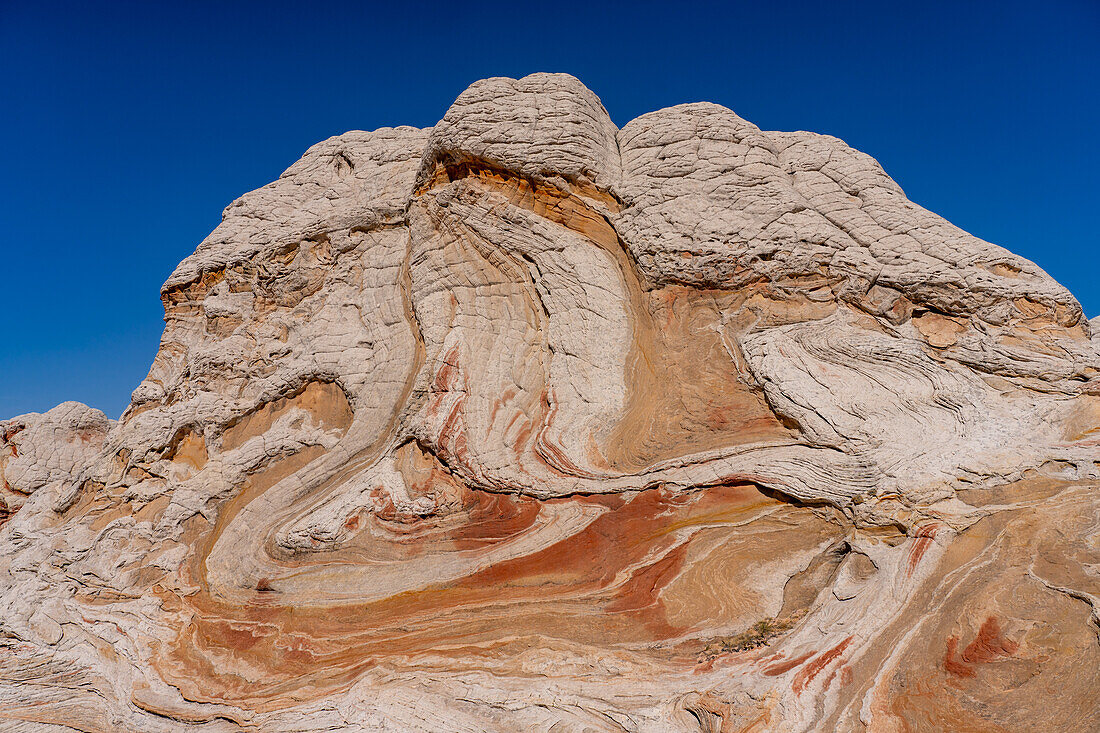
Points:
(128, 127)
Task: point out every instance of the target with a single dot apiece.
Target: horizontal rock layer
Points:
(525, 422)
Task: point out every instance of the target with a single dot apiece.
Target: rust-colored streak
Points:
(644, 586)
(806, 675)
(951, 664)
(845, 674)
(988, 645)
(777, 669)
(600, 585)
(448, 378)
(923, 540)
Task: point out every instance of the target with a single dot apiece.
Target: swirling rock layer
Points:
(525, 422)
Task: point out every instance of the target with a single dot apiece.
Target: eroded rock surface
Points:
(48, 453)
(524, 422)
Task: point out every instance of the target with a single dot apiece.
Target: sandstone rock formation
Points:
(525, 422)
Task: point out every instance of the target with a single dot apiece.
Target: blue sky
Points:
(129, 127)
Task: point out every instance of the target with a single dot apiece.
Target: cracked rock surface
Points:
(525, 422)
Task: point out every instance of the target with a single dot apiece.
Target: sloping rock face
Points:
(525, 422)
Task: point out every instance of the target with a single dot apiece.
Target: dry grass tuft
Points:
(762, 633)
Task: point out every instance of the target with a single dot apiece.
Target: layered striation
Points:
(526, 422)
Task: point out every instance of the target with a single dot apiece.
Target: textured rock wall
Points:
(528, 423)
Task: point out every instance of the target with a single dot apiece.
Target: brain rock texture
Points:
(525, 422)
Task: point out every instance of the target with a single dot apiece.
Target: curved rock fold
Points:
(525, 422)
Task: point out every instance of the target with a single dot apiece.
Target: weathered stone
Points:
(543, 126)
(49, 451)
(528, 423)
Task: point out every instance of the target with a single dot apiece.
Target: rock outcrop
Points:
(525, 422)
